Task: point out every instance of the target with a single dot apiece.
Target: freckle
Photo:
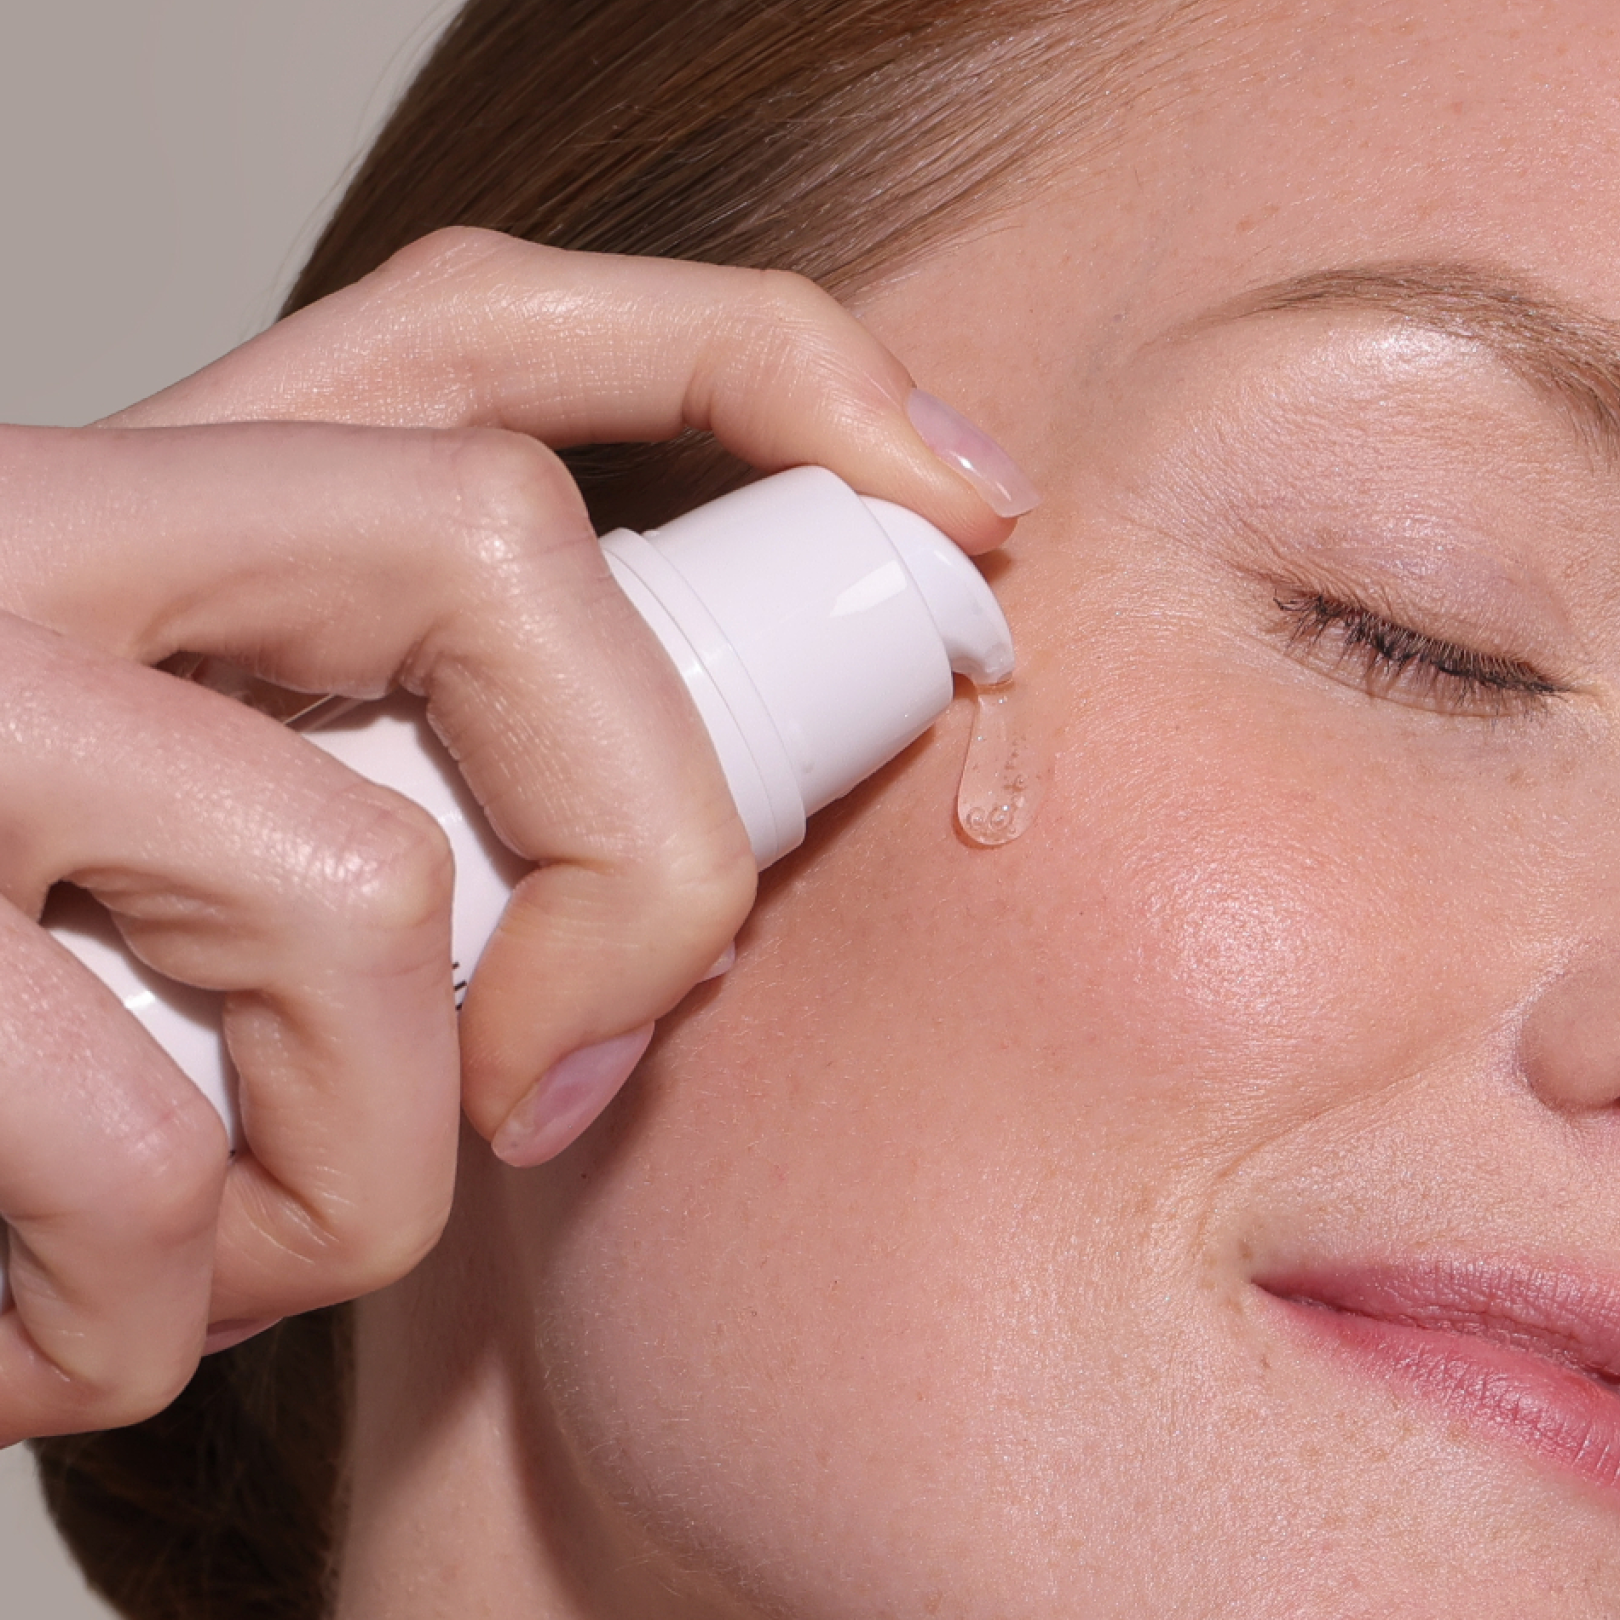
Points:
(1457, 108)
(1250, 221)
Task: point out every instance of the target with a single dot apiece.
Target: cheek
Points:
(1261, 928)
(904, 1193)
(1248, 899)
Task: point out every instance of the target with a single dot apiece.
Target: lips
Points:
(1526, 1354)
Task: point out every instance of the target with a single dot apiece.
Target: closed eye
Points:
(1395, 661)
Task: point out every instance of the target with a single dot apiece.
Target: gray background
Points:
(163, 164)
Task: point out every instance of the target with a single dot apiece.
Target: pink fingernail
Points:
(973, 453)
(726, 962)
(227, 1335)
(567, 1097)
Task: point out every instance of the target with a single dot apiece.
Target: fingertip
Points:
(960, 479)
(815, 386)
(567, 1098)
(967, 449)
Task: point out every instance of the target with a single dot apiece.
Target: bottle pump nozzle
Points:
(816, 630)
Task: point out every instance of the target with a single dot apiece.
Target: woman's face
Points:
(1208, 1204)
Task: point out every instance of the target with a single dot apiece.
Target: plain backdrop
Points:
(163, 165)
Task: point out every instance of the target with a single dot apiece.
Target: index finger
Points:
(470, 328)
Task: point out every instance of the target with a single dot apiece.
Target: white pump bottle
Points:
(817, 631)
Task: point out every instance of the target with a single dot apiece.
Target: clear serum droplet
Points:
(1004, 774)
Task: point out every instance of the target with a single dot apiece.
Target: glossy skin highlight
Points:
(919, 1271)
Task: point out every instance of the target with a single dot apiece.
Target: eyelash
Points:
(1397, 661)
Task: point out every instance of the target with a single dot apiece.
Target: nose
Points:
(1569, 1047)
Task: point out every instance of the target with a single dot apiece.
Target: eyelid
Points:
(1402, 662)
(1456, 582)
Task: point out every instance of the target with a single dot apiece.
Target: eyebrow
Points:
(1567, 354)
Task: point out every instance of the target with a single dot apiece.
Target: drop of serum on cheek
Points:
(1004, 774)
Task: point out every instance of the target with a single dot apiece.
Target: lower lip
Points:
(1550, 1410)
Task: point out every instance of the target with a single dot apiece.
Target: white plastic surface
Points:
(816, 630)
(826, 626)
(964, 610)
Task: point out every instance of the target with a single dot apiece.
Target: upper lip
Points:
(1570, 1320)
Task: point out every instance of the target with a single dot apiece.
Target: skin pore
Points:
(939, 1260)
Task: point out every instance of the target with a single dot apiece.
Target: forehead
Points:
(1281, 142)
(1312, 135)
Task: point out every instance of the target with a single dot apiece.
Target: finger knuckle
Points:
(510, 499)
(702, 887)
(395, 1253)
(358, 1248)
(791, 304)
(791, 330)
(451, 253)
(109, 1383)
(173, 1164)
(140, 1389)
(389, 867)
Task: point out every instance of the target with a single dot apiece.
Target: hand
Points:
(391, 516)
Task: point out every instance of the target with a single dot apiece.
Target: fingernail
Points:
(973, 453)
(227, 1335)
(567, 1097)
(726, 962)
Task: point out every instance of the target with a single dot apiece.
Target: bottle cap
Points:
(817, 631)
